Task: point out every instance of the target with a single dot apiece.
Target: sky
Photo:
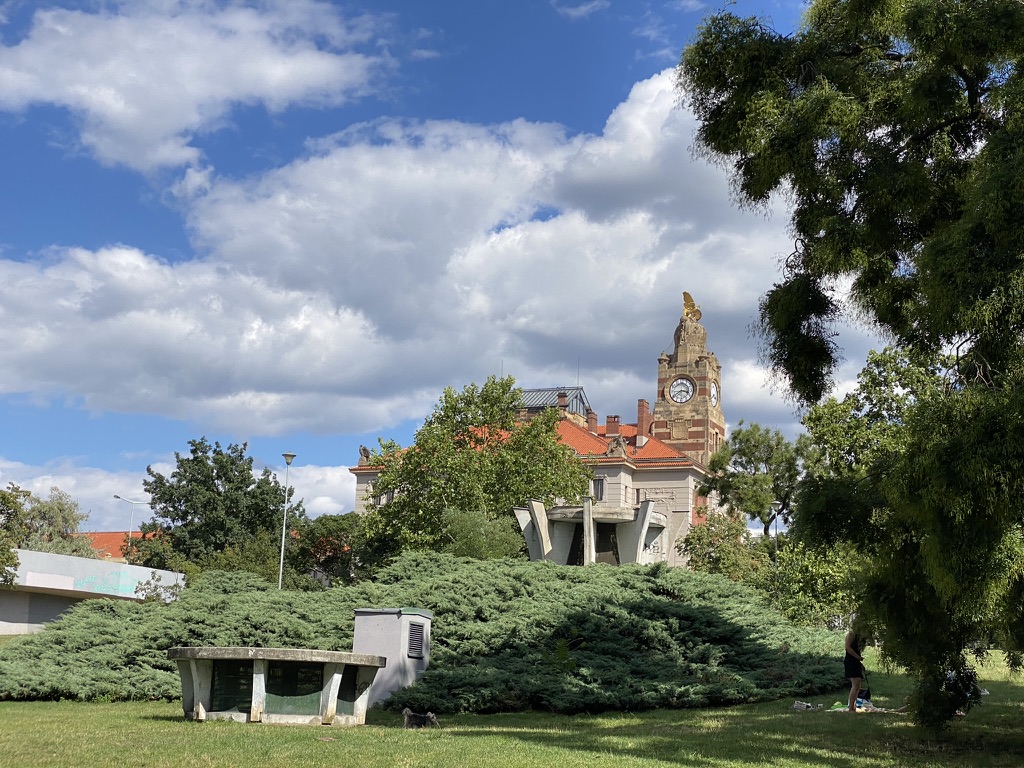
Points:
(292, 224)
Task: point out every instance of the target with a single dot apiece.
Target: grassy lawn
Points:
(155, 735)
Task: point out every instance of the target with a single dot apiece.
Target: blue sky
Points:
(293, 223)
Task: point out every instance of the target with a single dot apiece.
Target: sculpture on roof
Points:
(690, 309)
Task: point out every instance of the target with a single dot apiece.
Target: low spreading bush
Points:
(506, 635)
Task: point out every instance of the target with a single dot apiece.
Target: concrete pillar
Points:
(589, 534)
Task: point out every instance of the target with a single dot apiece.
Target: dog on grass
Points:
(416, 720)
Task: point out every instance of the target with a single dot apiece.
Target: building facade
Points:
(643, 497)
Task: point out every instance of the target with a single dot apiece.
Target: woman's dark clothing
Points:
(852, 666)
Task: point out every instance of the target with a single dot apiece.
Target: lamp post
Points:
(131, 521)
(288, 457)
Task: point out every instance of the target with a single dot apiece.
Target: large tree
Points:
(859, 438)
(755, 473)
(211, 502)
(51, 525)
(893, 127)
(471, 455)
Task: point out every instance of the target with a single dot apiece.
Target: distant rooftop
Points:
(547, 397)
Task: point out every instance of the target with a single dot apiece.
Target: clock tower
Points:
(688, 407)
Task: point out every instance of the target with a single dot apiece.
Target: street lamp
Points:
(288, 457)
(131, 521)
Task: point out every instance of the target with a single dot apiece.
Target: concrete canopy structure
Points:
(46, 585)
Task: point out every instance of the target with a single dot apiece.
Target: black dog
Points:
(416, 720)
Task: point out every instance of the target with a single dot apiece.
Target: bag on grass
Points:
(865, 693)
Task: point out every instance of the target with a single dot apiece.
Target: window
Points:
(637, 496)
(597, 489)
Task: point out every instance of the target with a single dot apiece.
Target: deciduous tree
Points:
(211, 501)
(41, 525)
(471, 455)
(724, 545)
(51, 525)
(12, 511)
(893, 126)
(755, 473)
(337, 546)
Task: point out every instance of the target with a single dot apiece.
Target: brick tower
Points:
(688, 407)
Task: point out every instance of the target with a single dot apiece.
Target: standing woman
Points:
(853, 666)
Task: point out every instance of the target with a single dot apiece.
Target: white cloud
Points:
(580, 10)
(344, 290)
(143, 77)
(323, 490)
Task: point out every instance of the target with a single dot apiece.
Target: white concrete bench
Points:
(275, 685)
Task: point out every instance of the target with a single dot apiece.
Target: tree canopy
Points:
(41, 525)
(471, 457)
(893, 127)
(336, 546)
(213, 503)
(755, 473)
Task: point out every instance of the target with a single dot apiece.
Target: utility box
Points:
(402, 635)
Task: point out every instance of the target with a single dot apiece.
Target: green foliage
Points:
(891, 127)
(894, 129)
(52, 525)
(12, 529)
(755, 473)
(917, 490)
(478, 534)
(859, 439)
(812, 586)
(507, 635)
(41, 525)
(866, 428)
(337, 546)
(723, 545)
(470, 455)
(212, 503)
(8, 560)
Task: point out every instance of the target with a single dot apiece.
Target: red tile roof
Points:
(594, 447)
(108, 543)
(580, 440)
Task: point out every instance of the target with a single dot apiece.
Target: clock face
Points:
(714, 393)
(681, 389)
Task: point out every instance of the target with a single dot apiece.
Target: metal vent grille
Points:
(415, 640)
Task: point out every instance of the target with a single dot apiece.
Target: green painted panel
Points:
(231, 686)
(294, 687)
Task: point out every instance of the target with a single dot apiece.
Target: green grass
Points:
(155, 735)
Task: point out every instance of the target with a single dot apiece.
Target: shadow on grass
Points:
(773, 733)
(180, 717)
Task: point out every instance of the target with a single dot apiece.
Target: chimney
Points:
(563, 403)
(611, 426)
(591, 422)
(643, 418)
